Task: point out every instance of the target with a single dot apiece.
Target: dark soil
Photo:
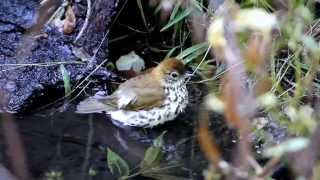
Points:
(22, 81)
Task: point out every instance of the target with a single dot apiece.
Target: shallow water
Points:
(73, 143)
(63, 141)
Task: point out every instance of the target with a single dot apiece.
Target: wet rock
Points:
(24, 78)
(17, 14)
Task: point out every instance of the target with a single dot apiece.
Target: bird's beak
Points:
(187, 76)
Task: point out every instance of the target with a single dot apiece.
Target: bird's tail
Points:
(93, 105)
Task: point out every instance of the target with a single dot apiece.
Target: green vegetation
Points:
(153, 165)
(281, 66)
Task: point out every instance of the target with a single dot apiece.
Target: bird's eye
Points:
(174, 75)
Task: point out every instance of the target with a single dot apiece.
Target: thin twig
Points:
(142, 15)
(202, 60)
(269, 167)
(43, 64)
(255, 165)
(220, 74)
(86, 22)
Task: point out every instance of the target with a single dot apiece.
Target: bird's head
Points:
(170, 70)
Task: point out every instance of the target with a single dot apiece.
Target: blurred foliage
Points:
(282, 64)
(276, 45)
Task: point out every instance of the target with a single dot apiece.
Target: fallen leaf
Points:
(129, 62)
(69, 22)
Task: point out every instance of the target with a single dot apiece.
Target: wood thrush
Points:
(149, 99)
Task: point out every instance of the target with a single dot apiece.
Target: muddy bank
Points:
(30, 61)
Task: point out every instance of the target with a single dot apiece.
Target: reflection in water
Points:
(59, 141)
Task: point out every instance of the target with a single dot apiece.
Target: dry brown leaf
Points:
(70, 21)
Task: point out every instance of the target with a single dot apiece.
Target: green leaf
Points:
(158, 8)
(197, 5)
(175, 10)
(153, 154)
(66, 79)
(193, 56)
(117, 165)
(158, 142)
(193, 51)
(170, 52)
(152, 157)
(288, 146)
(178, 18)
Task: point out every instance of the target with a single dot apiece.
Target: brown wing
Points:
(94, 105)
(141, 92)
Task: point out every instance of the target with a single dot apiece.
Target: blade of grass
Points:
(194, 55)
(158, 8)
(198, 5)
(177, 19)
(142, 14)
(193, 49)
(171, 52)
(175, 10)
(66, 79)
